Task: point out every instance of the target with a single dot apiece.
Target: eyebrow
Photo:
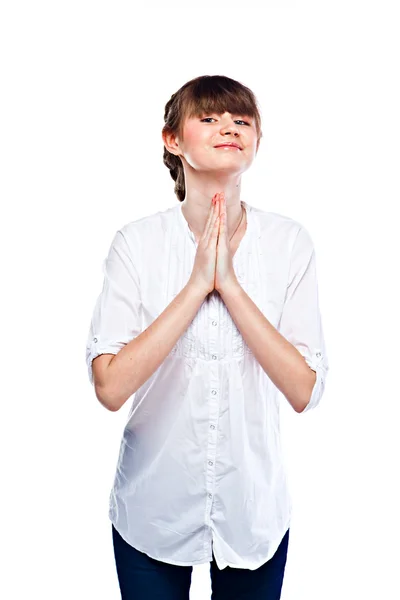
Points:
(214, 112)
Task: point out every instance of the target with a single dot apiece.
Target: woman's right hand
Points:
(203, 273)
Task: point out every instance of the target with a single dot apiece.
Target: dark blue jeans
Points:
(144, 578)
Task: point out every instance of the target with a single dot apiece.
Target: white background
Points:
(84, 86)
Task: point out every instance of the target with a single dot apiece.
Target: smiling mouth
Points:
(228, 146)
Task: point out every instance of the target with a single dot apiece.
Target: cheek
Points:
(253, 144)
(197, 146)
(194, 134)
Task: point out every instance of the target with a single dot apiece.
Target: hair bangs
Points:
(217, 95)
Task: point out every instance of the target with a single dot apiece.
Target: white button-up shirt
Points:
(200, 464)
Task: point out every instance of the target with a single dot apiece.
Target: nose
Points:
(229, 128)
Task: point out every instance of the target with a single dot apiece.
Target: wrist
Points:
(230, 288)
(197, 289)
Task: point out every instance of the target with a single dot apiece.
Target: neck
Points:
(196, 217)
(197, 203)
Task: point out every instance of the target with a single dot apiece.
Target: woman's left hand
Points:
(224, 272)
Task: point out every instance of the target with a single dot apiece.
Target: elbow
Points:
(112, 401)
(106, 391)
(107, 400)
(304, 404)
(302, 408)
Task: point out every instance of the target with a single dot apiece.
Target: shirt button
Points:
(210, 495)
(95, 339)
(318, 353)
(212, 426)
(214, 323)
(214, 356)
(213, 392)
(210, 462)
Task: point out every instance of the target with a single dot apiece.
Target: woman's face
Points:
(202, 134)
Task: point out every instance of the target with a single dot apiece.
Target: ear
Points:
(171, 143)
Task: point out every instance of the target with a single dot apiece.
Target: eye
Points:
(205, 119)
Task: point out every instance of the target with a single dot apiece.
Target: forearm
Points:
(280, 360)
(140, 358)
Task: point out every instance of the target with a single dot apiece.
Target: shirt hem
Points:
(179, 563)
(205, 560)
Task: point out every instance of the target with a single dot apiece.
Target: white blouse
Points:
(200, 464)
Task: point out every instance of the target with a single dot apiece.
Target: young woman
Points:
(209, 310)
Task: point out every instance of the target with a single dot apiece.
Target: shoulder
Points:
(279, 229)
(139, 230)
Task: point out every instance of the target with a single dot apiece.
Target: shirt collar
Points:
(250, 229)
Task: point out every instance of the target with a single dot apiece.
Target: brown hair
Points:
(204, 95)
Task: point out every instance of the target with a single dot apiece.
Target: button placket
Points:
(213, 337)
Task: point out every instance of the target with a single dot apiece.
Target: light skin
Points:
(209, 170)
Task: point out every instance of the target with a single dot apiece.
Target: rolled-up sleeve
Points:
(116, 318)
(301, 321)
